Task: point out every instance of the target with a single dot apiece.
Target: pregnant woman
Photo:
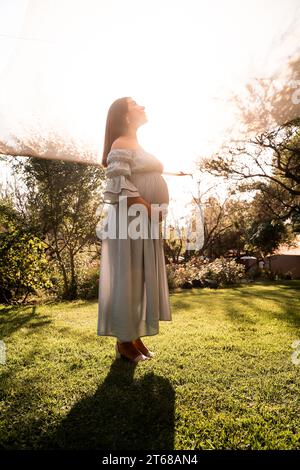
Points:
(133, 287)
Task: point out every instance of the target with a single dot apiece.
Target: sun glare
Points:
(181, 60)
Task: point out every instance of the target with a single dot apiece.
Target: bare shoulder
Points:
(123, 143)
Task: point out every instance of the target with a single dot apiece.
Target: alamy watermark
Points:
(121, 222)
(295, 356)
(2, 352)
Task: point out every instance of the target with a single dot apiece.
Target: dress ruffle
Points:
(118, 174)
(119, 186)
(119, 163)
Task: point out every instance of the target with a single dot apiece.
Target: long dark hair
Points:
(115, 125)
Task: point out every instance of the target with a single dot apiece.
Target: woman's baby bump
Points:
(151, 186)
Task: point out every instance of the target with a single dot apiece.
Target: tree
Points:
(269, 103)
(61, 203)
(266, 236)
(269, 164)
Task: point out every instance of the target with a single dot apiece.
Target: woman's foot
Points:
(141, 347)
(129, 351)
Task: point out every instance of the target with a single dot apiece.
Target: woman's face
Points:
(136, 114)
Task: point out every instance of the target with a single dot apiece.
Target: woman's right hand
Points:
(140, 200)
(149, 213)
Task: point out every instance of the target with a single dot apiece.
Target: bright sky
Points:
(180, 59)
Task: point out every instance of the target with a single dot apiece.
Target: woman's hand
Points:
(155, 210)
(140, 200)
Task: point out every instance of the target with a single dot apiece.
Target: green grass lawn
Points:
(222, 377)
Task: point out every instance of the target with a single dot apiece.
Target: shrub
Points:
(23, 265)
(222, 271)
(88, 283)
(278, 276)
(200, 272)
(177, 275)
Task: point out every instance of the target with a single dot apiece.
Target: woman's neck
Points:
(131, 134)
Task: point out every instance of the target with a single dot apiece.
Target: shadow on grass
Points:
(234, 299)
(123, 414)
(14, 318)
(284, 295)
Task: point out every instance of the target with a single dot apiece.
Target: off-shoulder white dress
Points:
(133, 287)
